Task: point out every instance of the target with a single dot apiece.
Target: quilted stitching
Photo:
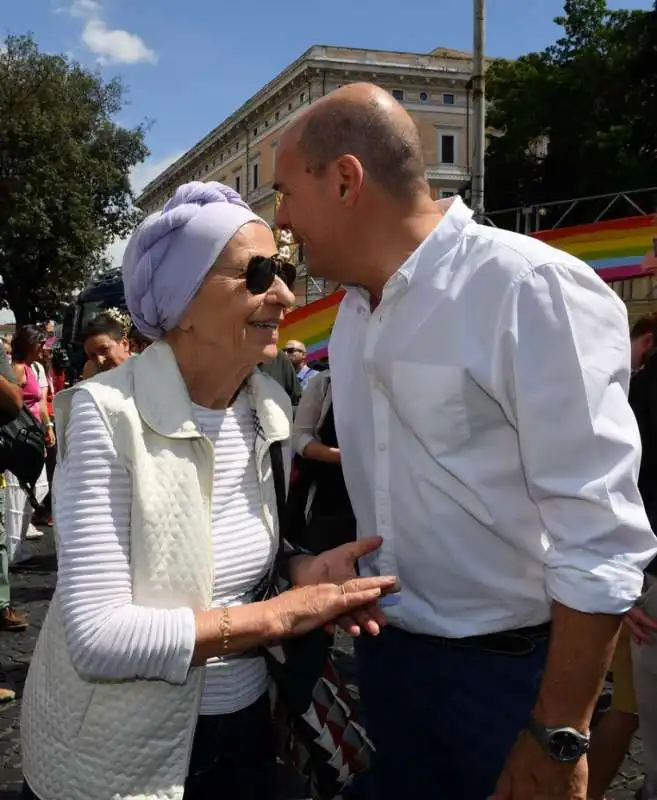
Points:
(130, 740)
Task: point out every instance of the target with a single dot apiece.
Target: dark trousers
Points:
(443, 718)
(233, 757)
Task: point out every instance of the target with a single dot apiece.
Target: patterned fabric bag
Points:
(316, 720)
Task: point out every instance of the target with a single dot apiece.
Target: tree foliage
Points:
(589, 99)
(64, 176)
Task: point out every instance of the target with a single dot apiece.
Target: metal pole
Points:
(479, 109)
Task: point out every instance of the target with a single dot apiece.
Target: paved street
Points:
(31, 593)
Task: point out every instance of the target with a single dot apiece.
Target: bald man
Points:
(296, 352)
(479, 383)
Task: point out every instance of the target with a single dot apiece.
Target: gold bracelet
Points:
(224, 630)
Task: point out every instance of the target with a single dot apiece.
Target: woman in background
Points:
(26, 346)
(321, 512)
(105, 343)
(44, 372)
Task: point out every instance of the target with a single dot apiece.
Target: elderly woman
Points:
(147, 681)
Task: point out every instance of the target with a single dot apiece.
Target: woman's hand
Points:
(337, 566)
(50, 436)
(306, 608)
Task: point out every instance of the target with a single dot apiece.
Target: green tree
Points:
(64, 176)
(586, 97)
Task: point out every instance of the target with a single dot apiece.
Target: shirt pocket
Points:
(429, 400)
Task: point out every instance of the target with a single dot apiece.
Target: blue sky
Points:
(190, 63)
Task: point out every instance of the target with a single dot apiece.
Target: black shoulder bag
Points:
(23, 451)
(315, 716)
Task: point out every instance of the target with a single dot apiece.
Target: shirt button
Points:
(383, 446)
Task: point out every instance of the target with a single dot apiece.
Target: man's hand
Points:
(338, 566)
(530, 774)
(642, 628)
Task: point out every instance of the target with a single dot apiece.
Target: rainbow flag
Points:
(617, 250)
(312, 324)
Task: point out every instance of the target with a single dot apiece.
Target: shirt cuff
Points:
(610, 588)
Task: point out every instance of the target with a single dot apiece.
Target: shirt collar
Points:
(441, 241)
(444, 237)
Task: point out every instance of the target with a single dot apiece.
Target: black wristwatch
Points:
(565, 745)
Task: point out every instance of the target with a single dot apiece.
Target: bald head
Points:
(364, 121)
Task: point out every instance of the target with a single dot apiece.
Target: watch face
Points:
(567, 746)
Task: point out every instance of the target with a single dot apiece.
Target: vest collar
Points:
(164, 403)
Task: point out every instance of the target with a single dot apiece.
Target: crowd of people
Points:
(467, 496)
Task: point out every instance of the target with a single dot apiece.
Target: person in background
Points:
(611, 738)
(6, 346)
(479, 382)
(60, 366)
(44, 372)
(105, 343)
(641, 621)
(282, 371)
(11, 401)
(320, 508)
(27, 345)
(296, 352)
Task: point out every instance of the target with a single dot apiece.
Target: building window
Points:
(445, 193)
(302, 97)
(238, 184)
(424, 96)
(398, 94)
(255, 176)
(289, 106)
(447, 148)
(255, 131)
(266, 123)
(277, 116)
(448, 99)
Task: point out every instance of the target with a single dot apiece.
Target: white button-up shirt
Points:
(485, 433)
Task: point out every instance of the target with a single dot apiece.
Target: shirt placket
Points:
(387, 561)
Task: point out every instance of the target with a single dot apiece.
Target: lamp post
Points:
(479, 109)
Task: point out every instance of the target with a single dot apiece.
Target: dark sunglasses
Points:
(290, 350)
(262, 271)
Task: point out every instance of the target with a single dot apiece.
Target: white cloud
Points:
(140, 177)
(112, 46)
(116, 46)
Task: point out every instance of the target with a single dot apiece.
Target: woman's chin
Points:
(269, 353)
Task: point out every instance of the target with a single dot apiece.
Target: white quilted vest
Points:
(131, 740)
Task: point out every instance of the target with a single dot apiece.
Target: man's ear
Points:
(350, 176)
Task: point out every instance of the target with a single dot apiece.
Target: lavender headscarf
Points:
(171, 252)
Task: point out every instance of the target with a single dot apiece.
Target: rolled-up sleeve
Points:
(565, 369)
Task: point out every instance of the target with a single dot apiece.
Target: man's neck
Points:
(390, 252)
